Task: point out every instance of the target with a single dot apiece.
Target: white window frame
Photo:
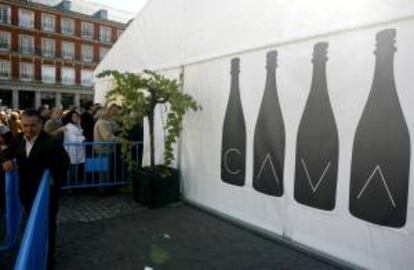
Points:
(68, 75)
(5, 70)
(87, 57)
(67, 53)
(51, 77)
(48, 26)
(87, 77)
(7, 38)
(67, 26)
(48, 47)
(87, 34)
(6, 20)
(26, 18)
(24, 49)
(26, 71)
(105, 34)
(102, 54)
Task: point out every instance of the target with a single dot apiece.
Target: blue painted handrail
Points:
(33, 252)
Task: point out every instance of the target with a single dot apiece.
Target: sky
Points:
(126, 5)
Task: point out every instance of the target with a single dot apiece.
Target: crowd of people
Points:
(34, 140)
(71, 127)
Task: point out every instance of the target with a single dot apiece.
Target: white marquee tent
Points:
(199, 38)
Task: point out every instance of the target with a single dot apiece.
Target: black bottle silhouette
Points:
(233, 148)
(269, 137)
(381, 151)
(317, 142)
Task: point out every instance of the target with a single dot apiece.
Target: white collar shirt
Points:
(29, 145)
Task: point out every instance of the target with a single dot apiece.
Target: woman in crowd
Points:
(15, 123)
(54, 125)
(72, 136)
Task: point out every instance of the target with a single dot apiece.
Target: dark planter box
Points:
(154, 190)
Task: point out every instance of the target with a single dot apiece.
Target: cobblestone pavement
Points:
(89, 207)
(79, 207)
(113, 232)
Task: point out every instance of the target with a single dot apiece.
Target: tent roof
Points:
(168, 34)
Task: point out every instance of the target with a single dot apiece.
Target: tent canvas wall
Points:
(200, 39)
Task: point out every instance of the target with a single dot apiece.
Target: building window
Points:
(48, 47)
(48, 23)
(4, 41)
(48, 74)
(5, 69)
(102, 52)
(86, 77)
(105, 34)
(26, 18)
(68, 50)
(68, 26)
(26, 44)
(87, 30)
(87, 53)
(26, 71)
(68, 76)
(5, 14)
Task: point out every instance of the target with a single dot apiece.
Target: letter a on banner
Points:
(381, 151)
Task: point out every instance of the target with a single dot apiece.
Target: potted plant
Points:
(157, 184)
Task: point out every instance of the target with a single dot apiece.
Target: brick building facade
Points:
(48, 53)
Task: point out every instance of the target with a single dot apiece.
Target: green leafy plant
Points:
(141, 93)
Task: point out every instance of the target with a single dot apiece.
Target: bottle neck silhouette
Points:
(234, 84)
(271, 69)
(384, 68)
(319, 60)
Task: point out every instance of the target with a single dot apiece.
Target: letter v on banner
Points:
(269, 137)
(317, 144)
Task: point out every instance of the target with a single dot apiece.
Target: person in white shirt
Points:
(72, 140)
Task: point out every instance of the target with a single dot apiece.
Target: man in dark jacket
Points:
(35, 151)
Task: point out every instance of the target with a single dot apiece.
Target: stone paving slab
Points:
(112, 234)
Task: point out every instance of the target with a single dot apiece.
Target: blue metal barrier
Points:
(33, 252)
(13, 210)
(97, 164)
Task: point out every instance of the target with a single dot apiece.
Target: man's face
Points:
(2, 116)
(31, 126)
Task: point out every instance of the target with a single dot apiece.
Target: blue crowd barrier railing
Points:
(33, 252)
(13, 210)
(98, 164)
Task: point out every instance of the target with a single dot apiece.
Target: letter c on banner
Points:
(226, 158)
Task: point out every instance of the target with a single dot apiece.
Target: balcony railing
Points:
(5, 20)
(4, 46)
(27, 50)
(48, 53)
(5, 75)
(39, 52)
